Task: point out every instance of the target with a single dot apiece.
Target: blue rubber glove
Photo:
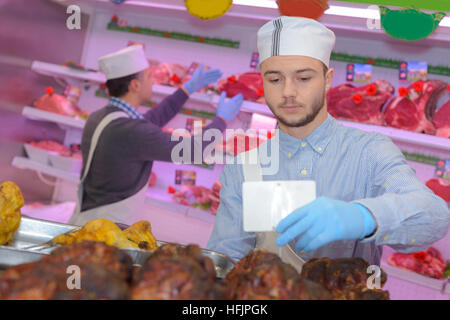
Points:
(230, 109)
(201, 78)
(325, 220)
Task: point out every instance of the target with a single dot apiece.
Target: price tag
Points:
(413, 70)
(254, 60)
(361, 73)
(185, 177)
(442, 169)
(192, 68)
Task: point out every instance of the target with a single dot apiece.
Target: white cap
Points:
(123, 63)
(295, 36)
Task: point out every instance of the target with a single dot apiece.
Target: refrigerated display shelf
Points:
(25, 163)
(436, 284)
(50, 69)
(36, 114)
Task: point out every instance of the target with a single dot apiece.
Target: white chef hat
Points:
(287, 36)
(124, 62)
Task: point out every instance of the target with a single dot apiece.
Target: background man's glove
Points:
(230, 109)
(325, 220)
(201, 78)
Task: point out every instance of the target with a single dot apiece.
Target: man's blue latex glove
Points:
(201, 78)
(325, 220)
(230, 109)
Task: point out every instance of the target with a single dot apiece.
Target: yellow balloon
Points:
(208, 9)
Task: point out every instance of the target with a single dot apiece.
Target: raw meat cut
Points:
(249, 84)
(52, 146)
(341, 103)
(429, 263)
(440, 187)
(192, 195)
(215, 197)
(415, 111)
(152, 180)
(58, 104)
(168, 74)
(441, 121)
(240, 142)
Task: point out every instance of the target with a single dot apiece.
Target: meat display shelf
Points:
(50, 69)
(419, 139)
(25, 163)
(436, 284)
(36, 114)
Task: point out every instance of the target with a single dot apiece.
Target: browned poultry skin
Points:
(104, 271)
(192, 251)
(345, 278)
(141, 234)
(11, 200)
(262, 275)
(176, 272)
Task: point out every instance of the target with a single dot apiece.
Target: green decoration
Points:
(420, 158)
(409, 24)
(175, 35)
(384, 63)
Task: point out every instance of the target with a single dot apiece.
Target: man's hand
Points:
(201, 78)
(230, 109)
(325, 220)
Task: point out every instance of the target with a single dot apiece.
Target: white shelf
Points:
(50, 69)
(419, 139)
(36, 114)
(413, 277)
(25, 163)
(159, 196)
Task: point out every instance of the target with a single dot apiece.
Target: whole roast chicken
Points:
(11, 201)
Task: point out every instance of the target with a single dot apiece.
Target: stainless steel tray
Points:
(10, 256)
(36, 231)
(222, 262)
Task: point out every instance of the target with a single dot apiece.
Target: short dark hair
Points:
(119, 87)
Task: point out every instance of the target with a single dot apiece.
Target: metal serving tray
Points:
(10, 256)
(222, 262)
(36, 231)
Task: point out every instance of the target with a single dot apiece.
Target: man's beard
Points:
(315, 109)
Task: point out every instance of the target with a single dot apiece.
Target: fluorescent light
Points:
(257, 3)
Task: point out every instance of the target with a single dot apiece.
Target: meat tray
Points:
(222, 263)
(10, 256)
(36, 231)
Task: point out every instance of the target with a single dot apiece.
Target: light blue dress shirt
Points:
(350, 165)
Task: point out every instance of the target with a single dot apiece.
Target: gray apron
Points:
(126, 211)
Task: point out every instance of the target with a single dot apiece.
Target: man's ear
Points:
(329, 78)
(134, 85)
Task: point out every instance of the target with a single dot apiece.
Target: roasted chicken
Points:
(177, 272)
(101, 230)
(137, 236)
(104, 272)
(11, 201)
(141, 234)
